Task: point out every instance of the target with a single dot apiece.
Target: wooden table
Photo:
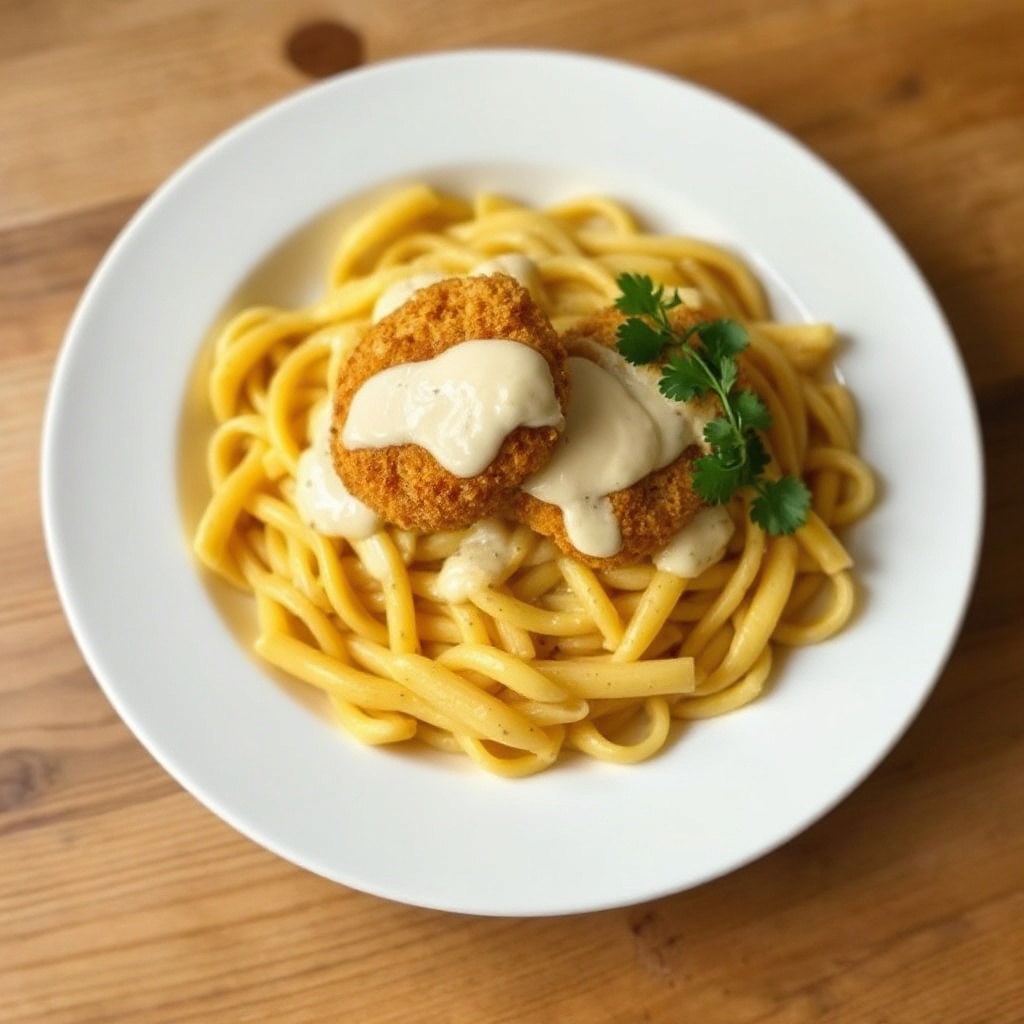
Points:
(122, 899)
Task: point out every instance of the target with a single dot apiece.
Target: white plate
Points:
(250, 218)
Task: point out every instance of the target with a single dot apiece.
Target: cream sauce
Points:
(619, 428)
(522, 268)
(479, 561)
(698, 545)
(460, 406)
(323, 501)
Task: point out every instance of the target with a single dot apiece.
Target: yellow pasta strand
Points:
(506, 669)
(221, 515)
(386, 220)
(743, 691)
(761, 618)
(597, 677)
(656, 604)
(586, 736)
(827, 622)
(468, 705)
(594, 600)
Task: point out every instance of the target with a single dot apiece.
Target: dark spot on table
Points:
(655, 942)
(324, 48)
(24, 776)
(908, 88)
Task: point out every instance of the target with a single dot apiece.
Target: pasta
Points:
(553, 656)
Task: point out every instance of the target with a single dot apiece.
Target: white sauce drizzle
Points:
(698, 545)
(479, 561)
(522, 268)
(460, 406)
(619, 428)
(322, 499)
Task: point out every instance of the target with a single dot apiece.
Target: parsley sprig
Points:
(701, 360)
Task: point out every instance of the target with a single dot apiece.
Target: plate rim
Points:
(54, 543)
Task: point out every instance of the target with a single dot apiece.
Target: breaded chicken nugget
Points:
(650, 513)
(404, 483)
(602, 327)
(652, 510)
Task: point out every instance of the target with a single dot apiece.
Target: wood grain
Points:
(121, 899)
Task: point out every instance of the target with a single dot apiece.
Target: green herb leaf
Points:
(752, 412)
(781, 506)
(714, 481)
(722, 433)
(738, 459)
(757, 457)
(708, 365)
(683, 379)
(639, 342)
(723, 339)
(640, 296)
(727, 373)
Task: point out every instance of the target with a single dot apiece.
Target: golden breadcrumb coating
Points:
(649, 512)
(655, 508)
(405, 484)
